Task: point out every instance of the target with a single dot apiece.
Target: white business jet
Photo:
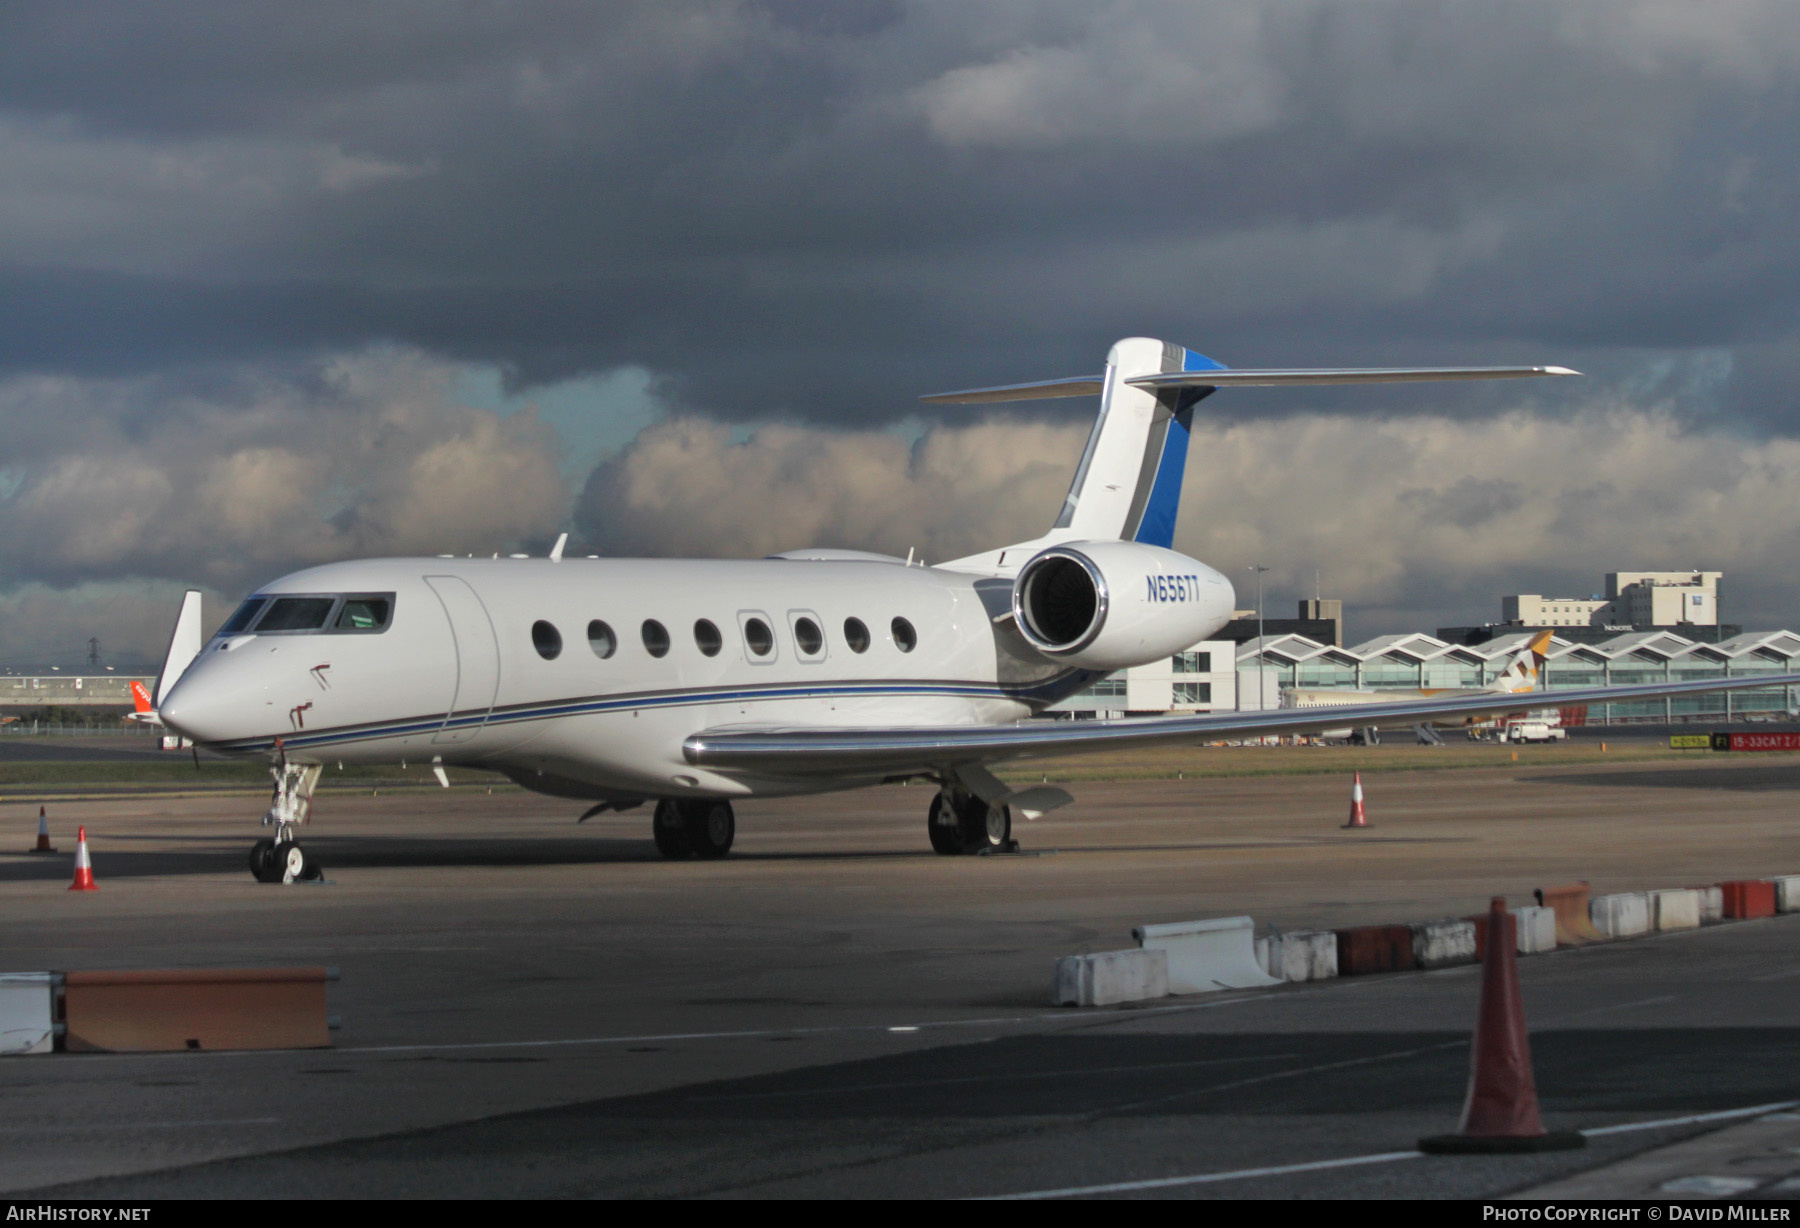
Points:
(687, 683)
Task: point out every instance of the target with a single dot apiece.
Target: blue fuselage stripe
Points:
(1048, 691)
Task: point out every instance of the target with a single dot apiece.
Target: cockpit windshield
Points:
(325, 613)
(245, 615)
(296, 614)
(363, 614)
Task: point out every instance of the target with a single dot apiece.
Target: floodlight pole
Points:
(1259, 569)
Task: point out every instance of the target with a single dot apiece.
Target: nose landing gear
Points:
(282, 860)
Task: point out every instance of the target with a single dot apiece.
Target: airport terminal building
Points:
(1259, 669)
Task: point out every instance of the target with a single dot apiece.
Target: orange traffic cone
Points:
(43, 844)
(1357, 817)
(1501, 1112)
(84, 868)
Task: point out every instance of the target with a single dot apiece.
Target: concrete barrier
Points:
(1534, 926)
(27, 1012)
(1712, 905)
(1206, 956)
(1675, 909)
(1787, 893)
(1108, 977)
(249, 1008)
(1569, 903)
(1443, 943)
(1303, 955)
(1625, 915)
(1374, 948)
(1749, 898)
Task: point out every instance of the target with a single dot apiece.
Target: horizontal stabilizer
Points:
(1042, 390)
(1090, 386)
(1341, 375)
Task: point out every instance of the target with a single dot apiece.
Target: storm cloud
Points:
(252, 258)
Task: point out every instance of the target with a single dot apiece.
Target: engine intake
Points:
(1060, 601)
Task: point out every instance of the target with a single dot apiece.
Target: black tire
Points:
(983, 826)
(262, 861)
(944, 827)
(670, 832)
(711, 827)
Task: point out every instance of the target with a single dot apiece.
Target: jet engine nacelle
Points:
(1109, 605)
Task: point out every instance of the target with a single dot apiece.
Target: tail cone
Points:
(84, 868)
(1501, 1112)
(43, 840)
(1357, 817)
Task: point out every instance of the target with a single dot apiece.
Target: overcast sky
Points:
(283, 283)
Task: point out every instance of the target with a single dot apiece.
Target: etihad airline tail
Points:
(682, 684)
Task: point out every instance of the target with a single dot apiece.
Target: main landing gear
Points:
(281, 859)
(962, 824)
(700, 827)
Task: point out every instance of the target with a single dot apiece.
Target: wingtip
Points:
(1561, 371)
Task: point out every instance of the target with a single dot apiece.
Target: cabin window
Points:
(856, 635)
(245, 615)
(546, 639)
(707, 637)
(601, 639)
(656, 638)
(296, 614)
(364, 614)
(905, 638)
(758, 638)
(809, 640)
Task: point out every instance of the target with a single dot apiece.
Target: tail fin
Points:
(1521, 672)
(1128, 485)
(140, 698)
(184, 645)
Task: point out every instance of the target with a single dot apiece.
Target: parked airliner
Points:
(1520, 674)
(688, 683)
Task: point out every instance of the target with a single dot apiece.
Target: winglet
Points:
(184, 645)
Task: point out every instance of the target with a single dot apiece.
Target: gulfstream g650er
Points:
(686, 683)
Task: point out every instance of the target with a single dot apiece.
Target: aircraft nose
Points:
(200, 706)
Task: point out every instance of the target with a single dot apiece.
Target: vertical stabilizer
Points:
(184, 645)
(1521, 673)
(1128, 484)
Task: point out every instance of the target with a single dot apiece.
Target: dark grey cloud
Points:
(815, 211)
(818, 210)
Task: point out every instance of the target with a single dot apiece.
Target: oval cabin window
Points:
(707, 637)
(758, 637)
(656, 638)
(905, 638)
(856, 635)
(546, 639)
(602, 640)
(807, 635)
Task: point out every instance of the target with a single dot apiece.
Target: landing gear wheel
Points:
(984, 827)
(711, 827)
(293, 864)
(670, 832)
(262, 862)
(942, 823)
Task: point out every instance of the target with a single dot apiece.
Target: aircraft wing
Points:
(814, 751)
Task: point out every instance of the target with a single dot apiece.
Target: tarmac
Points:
(532, 1007)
